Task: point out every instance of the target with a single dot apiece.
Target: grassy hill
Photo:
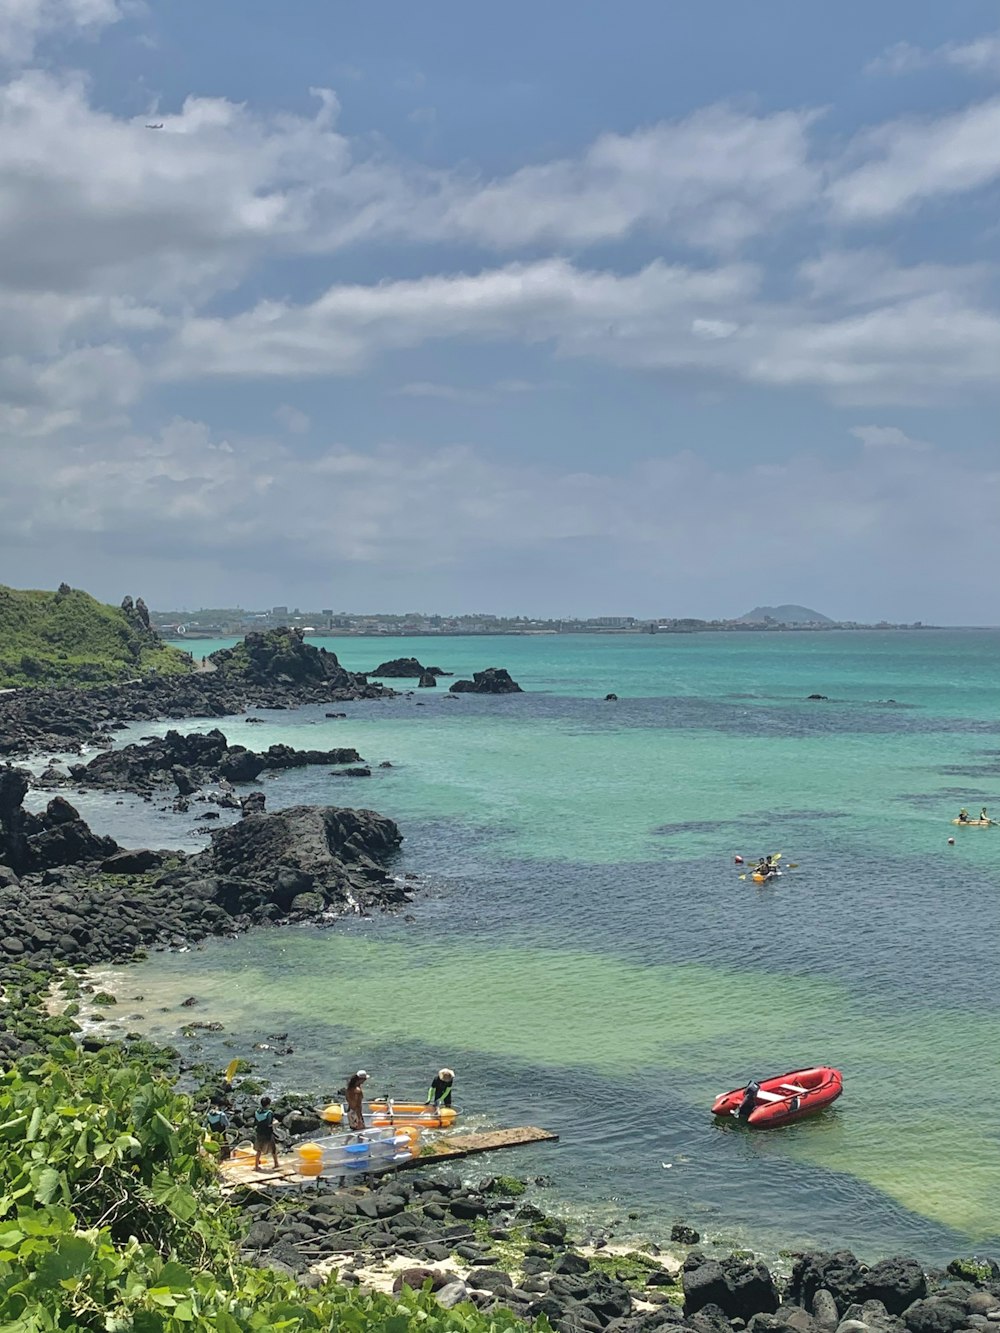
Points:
(66, 637)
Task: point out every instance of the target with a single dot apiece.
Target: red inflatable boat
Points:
(777, 1101)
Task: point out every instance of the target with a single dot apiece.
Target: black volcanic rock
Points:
(494, 680)
(280, 655)
(402, 668)
(191, 762)
(307, 849)
(58, 837)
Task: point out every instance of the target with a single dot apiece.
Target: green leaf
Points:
(50, 1183)
(176, 1277)
(69, 1260)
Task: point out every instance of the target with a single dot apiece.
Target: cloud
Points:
(919, 338)
(253, 505)
(292, 419)
(713, 179)
(887, 437)
(24, 23)
(467, 396)
(979, 56)
(905, 162)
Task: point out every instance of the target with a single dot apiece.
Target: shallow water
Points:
(583, 952)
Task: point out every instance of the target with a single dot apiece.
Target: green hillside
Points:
(66, 637)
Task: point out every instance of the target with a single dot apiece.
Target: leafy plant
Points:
(111, 1219)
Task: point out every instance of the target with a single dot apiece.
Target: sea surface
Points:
(583, 951)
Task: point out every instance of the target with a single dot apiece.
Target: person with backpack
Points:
(263, 1133)
(217, 1123)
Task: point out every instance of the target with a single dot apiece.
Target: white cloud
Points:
(23, 23)
(919, 338)
(466, 395)
(905, 162)
(981, 55)
(887, 437)
(257, 505)
(713, 179)
(292, 419)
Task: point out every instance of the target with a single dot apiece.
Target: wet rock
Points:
(684, 1235)
(611, 698)
(427, 681)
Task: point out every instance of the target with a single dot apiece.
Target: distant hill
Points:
(785, 615)
(66, 637)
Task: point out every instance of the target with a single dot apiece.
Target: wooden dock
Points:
(238, 1169)
(490, 1140)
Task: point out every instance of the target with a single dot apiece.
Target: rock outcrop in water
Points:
(67, 895)
(494, 680)
(280, 657)
(405, 668)
(36, 842)
(187, 763)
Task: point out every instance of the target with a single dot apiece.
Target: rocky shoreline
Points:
(276, 670)
(482, 1243)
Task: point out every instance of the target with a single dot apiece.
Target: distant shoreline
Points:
(211, 635)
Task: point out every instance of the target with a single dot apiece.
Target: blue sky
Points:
(561, 309)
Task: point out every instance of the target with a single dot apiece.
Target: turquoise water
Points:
(583, 951)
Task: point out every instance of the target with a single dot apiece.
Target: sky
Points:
(563, 309)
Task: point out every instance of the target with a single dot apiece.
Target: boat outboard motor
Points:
(749, 1100)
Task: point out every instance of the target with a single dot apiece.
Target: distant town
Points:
(223, 623)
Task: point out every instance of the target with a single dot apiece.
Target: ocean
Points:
(582, 950)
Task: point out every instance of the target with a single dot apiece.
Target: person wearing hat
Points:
(355, 1098)
(441, 1087)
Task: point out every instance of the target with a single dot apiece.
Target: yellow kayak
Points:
(974, 823)
(380, 1113)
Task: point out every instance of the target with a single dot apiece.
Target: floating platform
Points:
(467, 1145)
(238, 1169)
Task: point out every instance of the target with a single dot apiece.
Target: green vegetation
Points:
(507, 1187)
(66, 637)
(970, 1270)
(111, 1218)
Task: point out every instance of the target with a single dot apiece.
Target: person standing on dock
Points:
(355, 1098)
(263, 1133)
(442, 1086)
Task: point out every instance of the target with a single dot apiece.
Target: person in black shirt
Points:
(263, 1136)
(441, 1088)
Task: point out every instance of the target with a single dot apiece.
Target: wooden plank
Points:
(238, 1169)
(466, 1145)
